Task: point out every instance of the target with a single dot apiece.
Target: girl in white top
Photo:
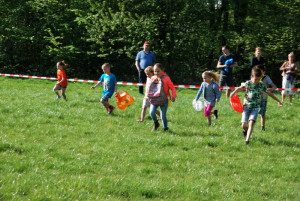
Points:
(149, 71)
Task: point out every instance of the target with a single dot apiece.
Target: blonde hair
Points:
(105, 65)
(214, 76)
(149, 69)
(257, 48)
(292, 54)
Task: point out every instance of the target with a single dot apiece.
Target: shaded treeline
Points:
(186, 35)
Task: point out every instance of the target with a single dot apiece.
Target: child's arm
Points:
(273, 87)
(275, 98)
(282, 66)
(235, 91)
(93, 87)
(199, 92)
(63, 79)
(116, 89)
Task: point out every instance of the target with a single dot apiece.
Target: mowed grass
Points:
(57, 150)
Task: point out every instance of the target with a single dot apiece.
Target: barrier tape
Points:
(125, 83)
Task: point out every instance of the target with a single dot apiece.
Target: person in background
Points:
(289, 73)
(225, 63)
(62, 81)
(143, 59)
(257, 59)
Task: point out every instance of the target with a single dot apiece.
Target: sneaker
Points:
(58, 97)
(110, 109)
(246, 142)
(245, 132)
(216, 114)
(155, 126)
(262, 128)
(166, 129)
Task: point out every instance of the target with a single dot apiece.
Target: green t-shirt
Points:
(253, 94)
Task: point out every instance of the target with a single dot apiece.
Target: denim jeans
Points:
(142, 79)
(163, 113)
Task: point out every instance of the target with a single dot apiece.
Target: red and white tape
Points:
(123, 83)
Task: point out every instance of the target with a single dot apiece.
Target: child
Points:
(211, 93)
(109, 87)
(254, 89)
(266, 80)
(149, 73)
(62, 81)
(167, 84)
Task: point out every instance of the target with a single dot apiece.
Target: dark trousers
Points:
(142, 79)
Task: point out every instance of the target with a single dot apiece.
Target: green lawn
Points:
(57, 150)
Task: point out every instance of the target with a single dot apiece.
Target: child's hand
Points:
(173, 99)
(93, 87)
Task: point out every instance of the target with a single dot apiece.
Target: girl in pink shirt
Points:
(168, 85)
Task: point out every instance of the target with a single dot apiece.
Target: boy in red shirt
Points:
(62, 81)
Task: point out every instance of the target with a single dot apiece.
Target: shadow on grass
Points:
(184, 133)
(8, 147)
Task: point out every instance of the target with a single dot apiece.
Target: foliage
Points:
(186, 36)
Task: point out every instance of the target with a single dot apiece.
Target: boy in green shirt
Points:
(252, 101)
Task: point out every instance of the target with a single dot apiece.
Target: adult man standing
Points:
(225, 64)
(144, 59)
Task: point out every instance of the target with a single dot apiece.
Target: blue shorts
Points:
(226, 79)
(263, 108)
(249, 114)
(60, 87)
(105, 98)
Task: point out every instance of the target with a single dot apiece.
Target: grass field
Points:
(57, 150)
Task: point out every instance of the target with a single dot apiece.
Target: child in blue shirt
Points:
(211, 93)
(109, 87)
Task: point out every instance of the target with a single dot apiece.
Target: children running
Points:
(149, 73)
(109, 87)
(266, 80)
(252, 100)
(211, 93)
(62, 81)
(164, 84)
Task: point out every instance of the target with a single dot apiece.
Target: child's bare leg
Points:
(282, 97)
(209, 120)
(105, 103)
(291, 98)
(263, 121)
(250, 129)
(63, 93)
(143, 114)
(228, 93)
(55, 89)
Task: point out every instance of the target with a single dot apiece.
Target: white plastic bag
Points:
(198, 105)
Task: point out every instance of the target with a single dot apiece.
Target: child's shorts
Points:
(249, 114)
(105, 98)
(146, 103)
(263, 108)
(207, 110)
(61, 87)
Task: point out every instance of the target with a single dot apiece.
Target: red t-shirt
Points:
(60, 75)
